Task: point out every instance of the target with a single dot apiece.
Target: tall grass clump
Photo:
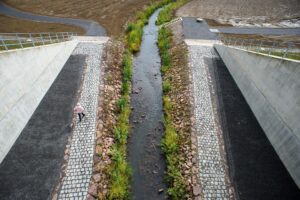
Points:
(170, 142)
(134, 30)
(167, 13)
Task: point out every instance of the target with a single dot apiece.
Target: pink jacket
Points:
(78, 109)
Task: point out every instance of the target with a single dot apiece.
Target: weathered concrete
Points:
(271, 87)
(26, 75)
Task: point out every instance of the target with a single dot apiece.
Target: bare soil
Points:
(112, 14)
(9, 24)
(241, 12)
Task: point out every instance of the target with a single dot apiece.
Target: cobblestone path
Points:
(211, 154)
(79, 169)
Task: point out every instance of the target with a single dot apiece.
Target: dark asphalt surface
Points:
(31, 168)
(195, 30)
(92, 28)
(256, 170)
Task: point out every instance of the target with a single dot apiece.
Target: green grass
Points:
(164, 41)
(119, 171)
(134, 30)
(166, 86)
(170, 142)
(167, 13)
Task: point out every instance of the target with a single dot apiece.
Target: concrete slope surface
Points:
(92, 28)
(31, 168)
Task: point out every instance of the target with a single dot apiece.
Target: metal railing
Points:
(10, 41)
(265, 46)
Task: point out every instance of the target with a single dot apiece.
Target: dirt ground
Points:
(112, 14)
(245, 12)
(9, 24)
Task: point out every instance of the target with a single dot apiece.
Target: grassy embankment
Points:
(119, 171)
(171, 141)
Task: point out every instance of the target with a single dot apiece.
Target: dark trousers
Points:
(81, 116)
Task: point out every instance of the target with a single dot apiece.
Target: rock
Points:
(93, 190)
(89, 197)
(96, 177)
(196, 190)
(198, 198)
(97, 159)
(160, 190)
(110, 88)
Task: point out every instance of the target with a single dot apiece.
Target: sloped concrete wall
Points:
(271, 87)
(25, 77)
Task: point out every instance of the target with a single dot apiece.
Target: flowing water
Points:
(144, 153)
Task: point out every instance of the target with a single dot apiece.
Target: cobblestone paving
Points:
(211, 163)
(79, 168)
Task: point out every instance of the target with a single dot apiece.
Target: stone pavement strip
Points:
(79, 168)
(212, 167)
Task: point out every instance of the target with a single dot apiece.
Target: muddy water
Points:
(144, 152)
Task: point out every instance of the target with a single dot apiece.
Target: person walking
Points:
(78, 109)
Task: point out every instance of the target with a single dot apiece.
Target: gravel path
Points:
(212, 165)
(79, 168)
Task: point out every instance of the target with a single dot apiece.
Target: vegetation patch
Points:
(108, 110)
(134, 30)
(119, 171)
(176, 143)
(168, 12)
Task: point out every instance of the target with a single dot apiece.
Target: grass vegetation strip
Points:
(134, 31)
(167, 13)
(171, 140)
(119, 170)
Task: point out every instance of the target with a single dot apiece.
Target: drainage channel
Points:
(144, 153)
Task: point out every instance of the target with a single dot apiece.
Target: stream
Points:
(144, 153)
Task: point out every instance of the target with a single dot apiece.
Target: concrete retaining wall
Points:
(271, 87)
(25, 77)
